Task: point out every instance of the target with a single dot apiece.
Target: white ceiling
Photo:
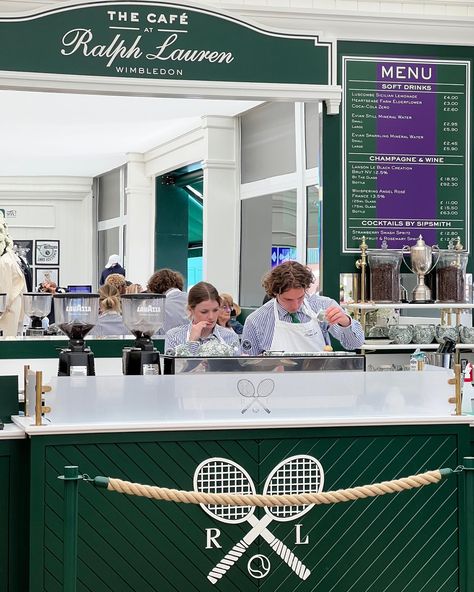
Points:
(53, 134)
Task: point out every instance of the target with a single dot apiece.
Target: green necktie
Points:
(294, 317)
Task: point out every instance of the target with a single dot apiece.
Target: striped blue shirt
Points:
(179, 335)
(260, 326)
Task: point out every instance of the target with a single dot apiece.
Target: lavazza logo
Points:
(294, 475)
(162, 30)
(148, 308)
(78, 308)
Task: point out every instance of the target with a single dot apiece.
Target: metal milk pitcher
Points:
(421, 256)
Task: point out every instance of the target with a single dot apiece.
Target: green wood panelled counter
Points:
(158, 430)
(14, 510)
(48, 347)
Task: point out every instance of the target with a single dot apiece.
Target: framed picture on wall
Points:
(24, 248)
(46, 252)
(46, 274)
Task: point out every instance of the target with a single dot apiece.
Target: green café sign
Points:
(160, 41)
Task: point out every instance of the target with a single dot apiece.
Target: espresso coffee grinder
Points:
(37, 305)
(76, 313)
(143, 315)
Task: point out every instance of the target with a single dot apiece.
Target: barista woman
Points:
(290, 321)
(202, 330)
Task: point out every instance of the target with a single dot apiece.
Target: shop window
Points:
(313, 233)
(109, 195)
(268, 141)
(280, 192)
(268, 238)
(109, 243)
(111, 216)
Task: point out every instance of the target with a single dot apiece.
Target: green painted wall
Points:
(171, 227)
(334, 262)
(8, 397)
(410, 541)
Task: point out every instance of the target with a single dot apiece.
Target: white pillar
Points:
(221, 218)
(140, 232)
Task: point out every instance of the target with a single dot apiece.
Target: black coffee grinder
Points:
(143, 315)
(37, 305)
(76, 313)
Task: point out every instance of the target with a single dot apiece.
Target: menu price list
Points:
(405, 151)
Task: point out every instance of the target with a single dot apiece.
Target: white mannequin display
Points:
(12, 282)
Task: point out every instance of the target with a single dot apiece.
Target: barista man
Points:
(290, 321)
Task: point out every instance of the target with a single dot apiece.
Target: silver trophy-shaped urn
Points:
(421, 256)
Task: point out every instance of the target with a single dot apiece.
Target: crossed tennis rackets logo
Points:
(264, 389)
(297, 474)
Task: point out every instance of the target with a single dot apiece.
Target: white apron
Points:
(297, 337)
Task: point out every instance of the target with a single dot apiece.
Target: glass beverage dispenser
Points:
(451, 273)
(37, 305)
(384, 266)
(143, 315)
(76, 314)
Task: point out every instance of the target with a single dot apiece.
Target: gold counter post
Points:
(39, 397)
(40, 389)
(362, 265)
(457, 381)
(25, 380)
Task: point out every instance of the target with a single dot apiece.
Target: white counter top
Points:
(72, 428)
(12, 431)
(246, 401)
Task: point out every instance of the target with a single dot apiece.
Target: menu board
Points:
(406, 144)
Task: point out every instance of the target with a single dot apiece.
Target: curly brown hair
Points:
(118, 281)
(165, 279)
(287, 276)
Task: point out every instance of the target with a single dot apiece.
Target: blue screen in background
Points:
(280, 254)
(78, 288)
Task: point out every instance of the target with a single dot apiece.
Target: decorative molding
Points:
(218, 164)
(54, 188)
(249, 91)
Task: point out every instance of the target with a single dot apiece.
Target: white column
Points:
(140, 219)
(221, 217)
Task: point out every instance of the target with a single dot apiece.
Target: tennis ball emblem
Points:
(258, 566)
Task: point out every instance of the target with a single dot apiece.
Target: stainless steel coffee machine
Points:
(76, 314)
(143, 315)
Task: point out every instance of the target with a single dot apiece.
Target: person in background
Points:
(170, 283)
(118, 281)
(133, 289)
(290, 321)
(47, 285)
(110, 317)
(203, 307)
(228, 312)
(12, 282)
(112, 266)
